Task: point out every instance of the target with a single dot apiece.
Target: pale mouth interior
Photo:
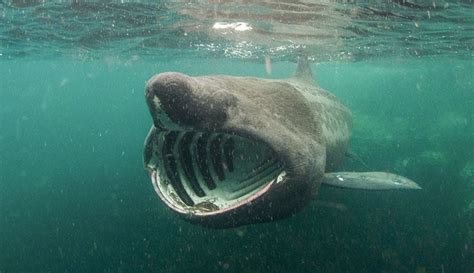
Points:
(206, 173)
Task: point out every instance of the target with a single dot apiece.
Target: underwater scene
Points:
(75, 110)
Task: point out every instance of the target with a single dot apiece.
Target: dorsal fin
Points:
(303, 71)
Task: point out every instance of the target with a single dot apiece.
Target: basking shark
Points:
(226, 151)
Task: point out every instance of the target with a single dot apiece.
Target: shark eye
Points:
(203, 172)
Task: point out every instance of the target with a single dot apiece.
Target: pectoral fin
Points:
(368, 181)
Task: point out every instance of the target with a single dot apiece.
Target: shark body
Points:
(226, 151)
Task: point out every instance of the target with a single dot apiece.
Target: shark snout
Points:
(177, 99)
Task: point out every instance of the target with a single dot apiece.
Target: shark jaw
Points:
(201, 174)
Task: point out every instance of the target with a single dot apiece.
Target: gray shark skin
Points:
(227, 151)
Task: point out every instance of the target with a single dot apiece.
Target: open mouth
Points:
(205, 173)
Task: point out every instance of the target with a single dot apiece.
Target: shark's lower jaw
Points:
(203, 174)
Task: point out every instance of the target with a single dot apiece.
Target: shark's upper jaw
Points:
(205, 171)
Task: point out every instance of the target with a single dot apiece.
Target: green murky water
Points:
(73, 193)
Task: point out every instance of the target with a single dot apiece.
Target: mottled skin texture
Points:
(306, 126)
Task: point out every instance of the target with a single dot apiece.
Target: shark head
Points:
(227, 151)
